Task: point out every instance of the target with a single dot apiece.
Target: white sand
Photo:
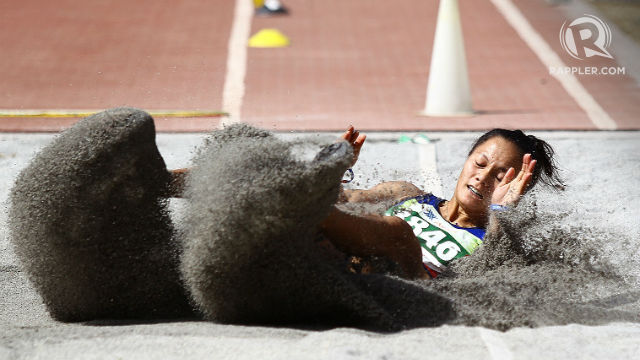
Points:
(602, 169)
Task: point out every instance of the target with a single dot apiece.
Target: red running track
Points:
(350, 62)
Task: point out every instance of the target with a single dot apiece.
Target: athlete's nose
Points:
(481, 176)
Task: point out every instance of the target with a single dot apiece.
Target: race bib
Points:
(441, 242)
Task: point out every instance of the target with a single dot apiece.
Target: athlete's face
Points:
(483, 171)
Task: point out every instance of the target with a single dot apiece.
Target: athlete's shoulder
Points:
(429, 199)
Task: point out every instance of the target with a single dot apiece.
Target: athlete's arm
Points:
(367, 235)
(395, 191)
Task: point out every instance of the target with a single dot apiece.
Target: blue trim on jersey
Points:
(435, 202)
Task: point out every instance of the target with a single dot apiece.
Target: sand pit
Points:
(540, 285)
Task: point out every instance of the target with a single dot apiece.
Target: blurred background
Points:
(319, 66)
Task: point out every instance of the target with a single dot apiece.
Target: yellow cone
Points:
(268, 38)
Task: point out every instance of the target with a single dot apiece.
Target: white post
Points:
(448, 91)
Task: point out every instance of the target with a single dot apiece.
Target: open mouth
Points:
(475, 191)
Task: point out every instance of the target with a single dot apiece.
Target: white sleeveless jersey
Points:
(440, 240)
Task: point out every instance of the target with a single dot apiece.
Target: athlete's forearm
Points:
(366, 235)
(386, 191)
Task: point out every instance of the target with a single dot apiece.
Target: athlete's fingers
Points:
(524, 181)
(525, 165)
(532, 165)
(508, 176)
(347, 134)
(529, 175)
(357, 145)
(522, 186)
(526, 170)
(527, 180)
(354, 137)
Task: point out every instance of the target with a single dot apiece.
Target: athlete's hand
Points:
(353, 137)
(512, 187)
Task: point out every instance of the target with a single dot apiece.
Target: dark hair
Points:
(546, 169)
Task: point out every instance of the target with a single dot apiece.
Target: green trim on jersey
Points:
(441, 242)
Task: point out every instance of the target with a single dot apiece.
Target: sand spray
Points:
(545, 265)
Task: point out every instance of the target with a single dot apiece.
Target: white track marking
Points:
(233, 92)
(549, 58)
(429, 169)
(497, 348)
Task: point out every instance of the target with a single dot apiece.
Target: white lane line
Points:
(549, 58)
(233, 91)
(429, 169)
(497, 348)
